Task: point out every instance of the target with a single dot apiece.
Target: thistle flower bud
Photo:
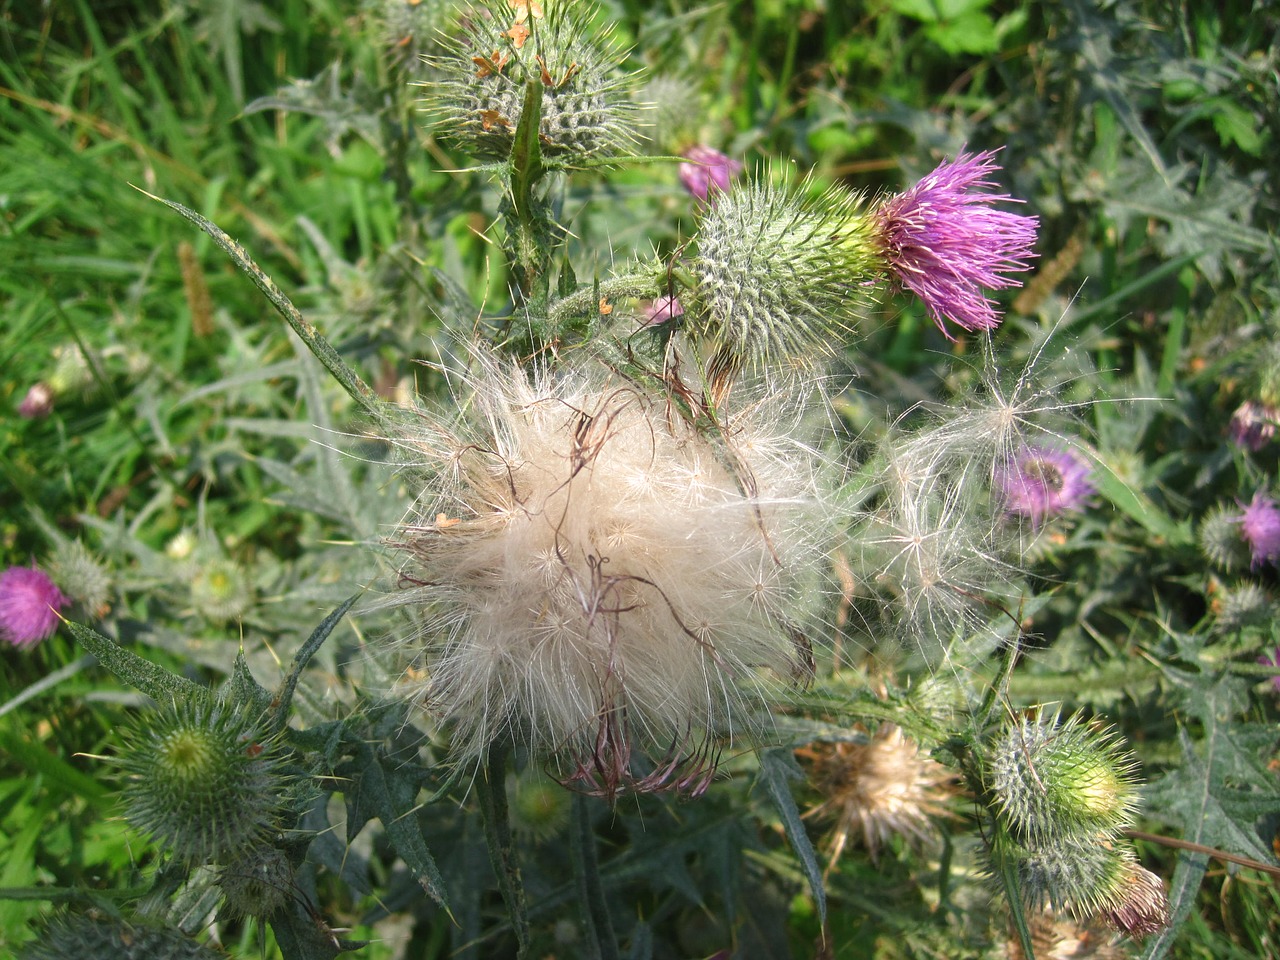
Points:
(945, 243)
(82, 578)
(1260, 526)
(1054, 780)
(1088, 877)
(257, 882)
(600, 574)
(38, 402)
(671, 109)
(1241, 605)
(203, 780)
(539, 806)
(71, 373)
(1220, 539)
(586, 110)
(81, 936)
(778, 274)
(1253, 425)
(1268, 372)
(220, 590)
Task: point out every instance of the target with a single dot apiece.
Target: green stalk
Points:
(582, 847)
(491, 786)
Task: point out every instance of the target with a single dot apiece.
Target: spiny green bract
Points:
(204, 780)
(1221, 541)
(778, 273)
(86, 937)
(256, 883)
(1054, 781)
(478, 102)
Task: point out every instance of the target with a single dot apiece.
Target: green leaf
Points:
(1236, 125)
(970, 33)
(1139, 507)
(303, 657)
(777, 766)
(155, 681)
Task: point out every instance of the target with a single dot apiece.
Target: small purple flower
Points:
(1253, 425)
(945, 243)
(1260, 525)
(1272, 660)
(37, 404)
(661, 310)
(1041, 482)
(29, 605)
(707, 170)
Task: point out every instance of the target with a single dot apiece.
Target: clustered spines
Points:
(204, 779)
(1057, 778)
(79, 936)
(778, 274)
(605, 573)
(586, 110)
(1062, 793)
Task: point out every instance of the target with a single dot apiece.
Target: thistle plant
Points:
(641, 532)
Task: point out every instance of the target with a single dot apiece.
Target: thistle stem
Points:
(643, 284)
(582, 846)
(491, 786)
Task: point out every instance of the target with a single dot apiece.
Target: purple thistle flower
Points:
(37, 404)
(29, 605)
(707, 170)
(945, 243)
(1272, 660)
(1041, 482)
(1253, 425)
(1260, 525)
(662, 309)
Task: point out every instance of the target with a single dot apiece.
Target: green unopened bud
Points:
(1221, 541)
(256, 883)
(539, 805)
(1239, 606)
(71, 936)
(1269, 375)
(778, 273)
(203, 780)
(80, 576)
(1053, 781)
(585, 112)
(671, 112)
(220, 590)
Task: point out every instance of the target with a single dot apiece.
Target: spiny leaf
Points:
(778, 766)
(155, 681)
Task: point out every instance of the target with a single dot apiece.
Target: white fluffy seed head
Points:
(600, 571)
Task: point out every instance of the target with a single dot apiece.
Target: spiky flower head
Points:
(600, 572)
(1087, 877)
(1220, 539)
(82, 578)
(257, 882)
(29, 605)
(1041, 482)
(1253, 425)
(506, 46)
(880, 789)
(946, 242)
(1240, 605)
(80, 936)
(1260, 526)
(1053, 780)
(707, 172)
(221, 591)
(204, 780)
(539, 806)
(671, 109)
(778, 274)
(1139, 904)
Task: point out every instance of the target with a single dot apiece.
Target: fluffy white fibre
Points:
(600, 570)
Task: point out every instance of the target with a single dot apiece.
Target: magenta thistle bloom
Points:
(707, 170)
(663, 309)
(1253, 425)
(1040, 483)
(37, 404)
(1260, 525)
(1272, 660)
(946, 244)
(29, 605)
